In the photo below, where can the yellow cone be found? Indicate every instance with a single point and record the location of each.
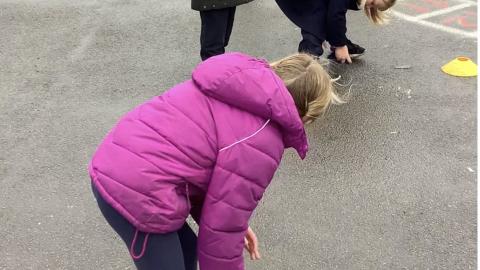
(461, 66)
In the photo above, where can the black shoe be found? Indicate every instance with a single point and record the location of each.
(354, 50)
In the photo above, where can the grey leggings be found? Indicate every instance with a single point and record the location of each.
(171, 251)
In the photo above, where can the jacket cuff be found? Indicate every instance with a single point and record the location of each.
(209, 262)
(340, 42)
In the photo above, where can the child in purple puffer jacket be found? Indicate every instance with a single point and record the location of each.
(209, 148)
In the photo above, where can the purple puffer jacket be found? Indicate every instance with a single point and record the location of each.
(214, 141)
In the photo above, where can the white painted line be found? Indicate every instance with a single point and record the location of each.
(436, 26)
(443, 11)
(468, 1)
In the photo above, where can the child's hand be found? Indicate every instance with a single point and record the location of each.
(251, 244)
(341, 53)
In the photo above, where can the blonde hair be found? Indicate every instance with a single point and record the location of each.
(309, 84)
(378, 16)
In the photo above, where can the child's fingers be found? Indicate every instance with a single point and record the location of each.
(252, 254)
(250, 251)
(251, 242)
(349, 60)
(255, 251)
(249, 246)
(257, 255)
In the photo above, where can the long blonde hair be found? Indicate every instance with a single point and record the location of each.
(377, 16)
(309, 84)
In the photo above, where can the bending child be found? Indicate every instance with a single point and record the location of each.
(325, 20)
(208, 147)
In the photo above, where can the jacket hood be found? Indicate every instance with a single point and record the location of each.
(251, 85)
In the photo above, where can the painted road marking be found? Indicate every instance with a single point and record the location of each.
(443, 11)
(452, 16)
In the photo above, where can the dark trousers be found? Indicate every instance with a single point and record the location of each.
(310, 44)
(171, 251)
(217, 26)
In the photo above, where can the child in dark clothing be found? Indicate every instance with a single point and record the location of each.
(325, 20)
(217, 22)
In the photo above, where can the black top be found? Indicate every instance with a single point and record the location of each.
(325, 19)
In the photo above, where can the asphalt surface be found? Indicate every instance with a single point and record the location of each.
(389, 182)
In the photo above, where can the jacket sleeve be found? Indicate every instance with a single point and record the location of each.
(238, 182)
(337, 22)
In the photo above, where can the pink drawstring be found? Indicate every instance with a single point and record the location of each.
(132, 246)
